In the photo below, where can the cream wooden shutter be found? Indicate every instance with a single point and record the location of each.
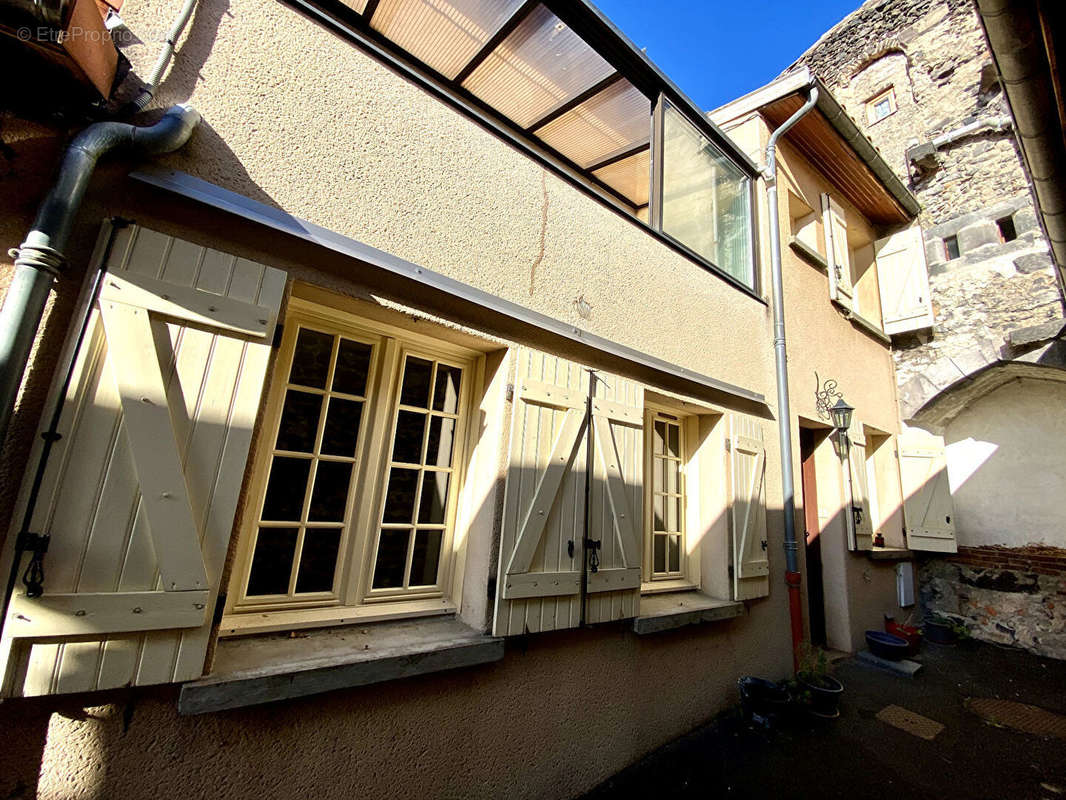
(140, 492)
(837, 253)
(904, 281)
(747, 508)
(860, 490)
(539, 583)
(928, 510)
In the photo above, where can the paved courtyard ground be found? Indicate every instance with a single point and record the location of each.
(858, 756)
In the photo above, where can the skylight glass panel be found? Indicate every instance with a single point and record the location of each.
(615, 119)
(444, 34)
(541, 64)
(630, 177)
(357, 5)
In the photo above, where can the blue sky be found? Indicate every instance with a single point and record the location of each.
(717, 50)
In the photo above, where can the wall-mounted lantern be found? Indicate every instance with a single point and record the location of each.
(840, 413)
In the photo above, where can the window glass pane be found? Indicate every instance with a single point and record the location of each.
(675, 553)
(446, 389)
(673, 448)
(673, 513)
(659, 513)
(342, 427)
(353, 365)
(400, 497)
(630, 177)
(672, 469)
(416, 377)
(658, 554)
(318, 560)
(425, 557)
(431, 507)
(310, 361)
(272, 561)
(445, 34)
(299, 421)
(330, 495)
(286, 489)
(706, 199)
(659, 443)
(439, 447)
(410, 427)
(612, 120)
(541, 64)
(392, 559)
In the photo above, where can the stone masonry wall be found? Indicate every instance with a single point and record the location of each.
(1014, 596)
(990, 269)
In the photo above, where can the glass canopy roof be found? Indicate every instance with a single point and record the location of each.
(523, 61)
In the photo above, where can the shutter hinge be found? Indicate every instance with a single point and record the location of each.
(510, 392)
(37, 545)
(593, 547)
(278, 329)
(51, 436)
(728, 445)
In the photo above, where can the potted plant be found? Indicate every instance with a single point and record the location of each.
(938, 629)
(819, 691)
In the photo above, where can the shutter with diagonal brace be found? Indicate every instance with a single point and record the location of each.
(862, 524)
(928, 509)
(837, 252)
(903, 279)
(540, 576)
(747, 508)
(140, 491)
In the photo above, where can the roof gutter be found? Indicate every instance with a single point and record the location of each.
(1020, 36)
(784, 413)
(869, 154)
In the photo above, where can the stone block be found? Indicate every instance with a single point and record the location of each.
(1025, 220)
(1034, 262)
(934, 251)
(977, 235)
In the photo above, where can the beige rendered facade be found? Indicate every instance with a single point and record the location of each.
(317, 132)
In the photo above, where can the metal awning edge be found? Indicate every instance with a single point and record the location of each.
(201, 191)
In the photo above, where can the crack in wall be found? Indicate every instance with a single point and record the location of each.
(543, 231)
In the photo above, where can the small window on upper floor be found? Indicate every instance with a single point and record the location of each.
(806, 224)
(880, 106)
(1007, 231)
(951, 247)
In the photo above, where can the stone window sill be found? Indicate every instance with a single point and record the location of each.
(889, 554)
(664, 612)
(264, 669)
(808, 253)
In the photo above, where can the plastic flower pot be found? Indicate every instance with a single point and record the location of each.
(823, 692)
(912, 635)
(939, 631)
(886, 645)
(761, 700)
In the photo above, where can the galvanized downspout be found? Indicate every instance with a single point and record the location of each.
(40, 259)
(784, 413)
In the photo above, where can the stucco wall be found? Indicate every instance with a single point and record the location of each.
(1016, 431)
(345, 143)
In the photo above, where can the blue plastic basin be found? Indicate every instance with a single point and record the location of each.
(886, 645)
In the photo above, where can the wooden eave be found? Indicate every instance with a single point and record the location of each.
(820, 143)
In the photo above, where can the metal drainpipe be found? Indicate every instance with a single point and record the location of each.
(40, 259)
(784, 414)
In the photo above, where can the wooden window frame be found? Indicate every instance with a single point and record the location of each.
(872, 104)
(688, 577)
(354, 600)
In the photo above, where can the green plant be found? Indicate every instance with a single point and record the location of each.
(814, 665)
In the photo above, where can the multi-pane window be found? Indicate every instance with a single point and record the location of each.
(881, 106)
(356, 491)
(305, 508)
(666, 536)
(421, 471)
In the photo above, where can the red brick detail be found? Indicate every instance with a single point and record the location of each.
(1038, 559)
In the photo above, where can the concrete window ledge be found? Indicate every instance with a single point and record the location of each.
(808, 253)
(889, 554)
(666, 612)
(265, 669)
